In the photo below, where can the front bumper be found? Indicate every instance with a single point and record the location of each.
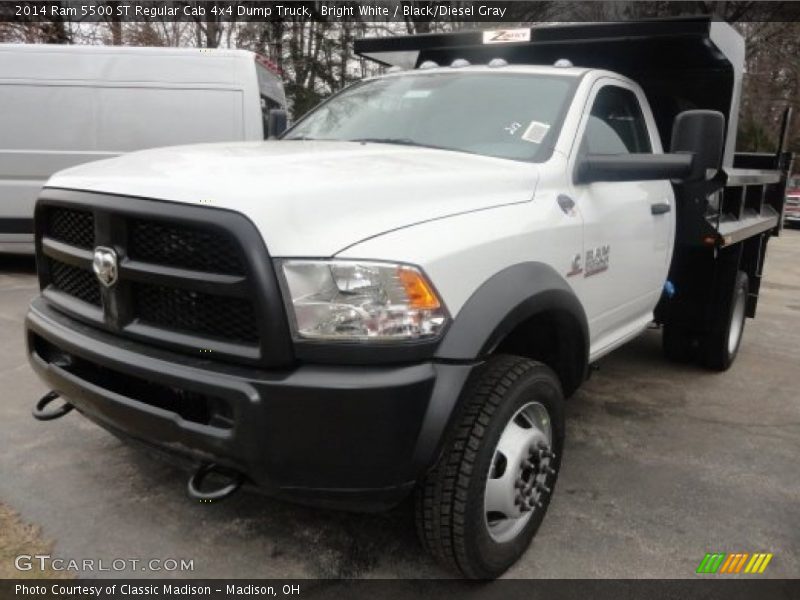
(343, 436)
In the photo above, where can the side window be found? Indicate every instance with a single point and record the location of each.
(616, 124)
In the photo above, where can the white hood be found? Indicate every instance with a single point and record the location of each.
(313, 198)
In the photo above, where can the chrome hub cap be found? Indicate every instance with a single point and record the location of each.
(522, 467)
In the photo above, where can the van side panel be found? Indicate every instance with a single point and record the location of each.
(66, 105)
(50, 127)
(133, 118)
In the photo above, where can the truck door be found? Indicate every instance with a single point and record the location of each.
(627, 225)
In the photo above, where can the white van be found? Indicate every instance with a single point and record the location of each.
(65, 105)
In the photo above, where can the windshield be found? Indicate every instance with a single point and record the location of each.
(515, 116)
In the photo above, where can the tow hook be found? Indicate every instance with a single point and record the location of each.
(40, 414)
(235, 481)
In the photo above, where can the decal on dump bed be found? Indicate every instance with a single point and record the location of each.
(505, 36)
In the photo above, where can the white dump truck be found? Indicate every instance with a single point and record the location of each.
(396, 298)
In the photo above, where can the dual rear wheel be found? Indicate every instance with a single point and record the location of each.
(718, 346)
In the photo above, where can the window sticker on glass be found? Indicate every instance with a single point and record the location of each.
(417, 94)
(535, 132)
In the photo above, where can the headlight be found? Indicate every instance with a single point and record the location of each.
(360, 300)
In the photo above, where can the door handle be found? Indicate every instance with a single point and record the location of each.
(660, 208)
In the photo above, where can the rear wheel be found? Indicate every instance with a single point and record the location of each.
(479, 508)
(720, 346)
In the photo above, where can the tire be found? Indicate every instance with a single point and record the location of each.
(719, 347)
(676, 343)
(451, 503)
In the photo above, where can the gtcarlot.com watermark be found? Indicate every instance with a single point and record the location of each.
(43, 562)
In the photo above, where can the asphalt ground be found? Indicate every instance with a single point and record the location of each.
(663, 463)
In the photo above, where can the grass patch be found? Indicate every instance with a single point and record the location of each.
(17, 537)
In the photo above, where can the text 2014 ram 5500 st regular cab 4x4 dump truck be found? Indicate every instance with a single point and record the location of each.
(398, 295)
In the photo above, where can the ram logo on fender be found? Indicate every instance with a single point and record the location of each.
(597, 260)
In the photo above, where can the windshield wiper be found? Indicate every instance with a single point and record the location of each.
(399, 142)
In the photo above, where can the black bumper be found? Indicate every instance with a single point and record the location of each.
(352, 437)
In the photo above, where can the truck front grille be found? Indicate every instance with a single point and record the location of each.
(184, 247)
(205, 314)
(190, 278)
(74, 281)
(74, 227)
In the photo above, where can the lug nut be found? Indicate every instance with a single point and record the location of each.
(542, 488)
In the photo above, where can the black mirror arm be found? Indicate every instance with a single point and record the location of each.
(634, 167)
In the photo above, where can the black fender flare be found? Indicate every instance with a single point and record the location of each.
(503, 302)
(495, 309)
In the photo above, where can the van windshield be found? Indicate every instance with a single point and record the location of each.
(510, 115)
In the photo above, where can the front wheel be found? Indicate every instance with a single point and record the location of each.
(479, 508)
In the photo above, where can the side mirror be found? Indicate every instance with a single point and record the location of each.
(277, 122)
(701, 133)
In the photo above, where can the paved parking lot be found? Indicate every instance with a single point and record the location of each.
(663, 463)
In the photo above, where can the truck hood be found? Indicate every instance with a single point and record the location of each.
(313, 198)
